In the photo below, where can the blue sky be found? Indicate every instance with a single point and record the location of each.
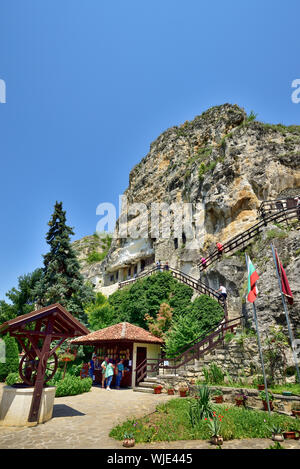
(90, 84)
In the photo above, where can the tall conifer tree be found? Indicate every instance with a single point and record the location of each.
(62, 281)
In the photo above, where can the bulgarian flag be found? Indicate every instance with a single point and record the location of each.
(252, 279)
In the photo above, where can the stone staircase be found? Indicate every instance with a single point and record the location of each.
(147, 385)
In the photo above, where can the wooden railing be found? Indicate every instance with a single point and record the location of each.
(197, 285)
(196, 349)
(269, 206)
(244, 238)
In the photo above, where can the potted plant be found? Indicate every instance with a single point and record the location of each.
(263, 397)
(183, 390)
(171, 391)
(277, 432)
(260, 383)
(158, 389)
(215, 427)
(240, 399)
(128, 440)
(296, 409)
(291, 435)
(218, 396)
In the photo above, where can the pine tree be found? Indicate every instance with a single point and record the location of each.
(62, 281)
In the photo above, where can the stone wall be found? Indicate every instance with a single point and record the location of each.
(237, 361)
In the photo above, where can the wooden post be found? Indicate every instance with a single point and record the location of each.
(39, 382)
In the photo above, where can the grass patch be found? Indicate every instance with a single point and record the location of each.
(95, 257)
(171, 422)
(274, 233)
(294, 388)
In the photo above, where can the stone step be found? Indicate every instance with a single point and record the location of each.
(150, 379)
(141, 389)
(146, 384)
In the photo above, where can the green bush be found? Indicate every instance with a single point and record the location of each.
(95, 257)
(145, 297)
(13, 378)
(200, 317)
(11, 364)
(213, 374)
(71, 385)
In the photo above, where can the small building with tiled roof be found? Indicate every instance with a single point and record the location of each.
(124, 340)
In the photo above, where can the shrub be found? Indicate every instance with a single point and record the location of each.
(71, 385)
(200, 317)
(13, 378)
(95, 257)
(11, 364)
(213, 374)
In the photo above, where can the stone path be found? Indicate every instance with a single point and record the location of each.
(84, 421)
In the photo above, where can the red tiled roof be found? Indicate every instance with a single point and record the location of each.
(122, 331)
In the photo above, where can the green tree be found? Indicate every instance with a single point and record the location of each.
(61, 280)
(145, 297)
(7, 312)
(159, 325)
(22, 298)
(200, 317)
(11, 364)
(100, 313)
(184, 330)
(209, 312)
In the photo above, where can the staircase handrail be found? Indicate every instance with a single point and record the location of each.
(254, 230)
(196, 284)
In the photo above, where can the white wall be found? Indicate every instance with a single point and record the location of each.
(153, 351)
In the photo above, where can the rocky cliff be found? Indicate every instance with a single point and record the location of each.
(224, 164)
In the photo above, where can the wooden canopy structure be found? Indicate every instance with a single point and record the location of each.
(39, 362)
(123, 340)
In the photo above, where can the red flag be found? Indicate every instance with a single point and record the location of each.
(284, 281)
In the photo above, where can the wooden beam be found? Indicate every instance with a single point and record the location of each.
(39, 383)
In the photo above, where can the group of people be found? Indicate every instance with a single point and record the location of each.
(109, 369)
(220, 249)
(159, 266)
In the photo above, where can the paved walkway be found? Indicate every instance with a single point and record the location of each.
(84, 421)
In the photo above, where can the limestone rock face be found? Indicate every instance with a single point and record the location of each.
(84, 247)
(224, 164)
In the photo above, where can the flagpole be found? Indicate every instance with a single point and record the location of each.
(259, 348)
(291, 335)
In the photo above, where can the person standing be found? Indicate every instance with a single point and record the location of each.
(109, 373)
(220, 248)
(92, 367)
(223, 292)
(120, 374)
(158, 265)
(103, 366)
(166, 267)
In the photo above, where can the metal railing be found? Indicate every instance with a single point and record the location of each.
(244, 238)
(196, 349)
(181, 277)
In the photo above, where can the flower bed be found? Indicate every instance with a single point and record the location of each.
(171, 422)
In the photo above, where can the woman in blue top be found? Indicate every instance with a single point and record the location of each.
(109, 373)
(120, 373)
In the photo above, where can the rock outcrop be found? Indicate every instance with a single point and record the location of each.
(224, 164)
